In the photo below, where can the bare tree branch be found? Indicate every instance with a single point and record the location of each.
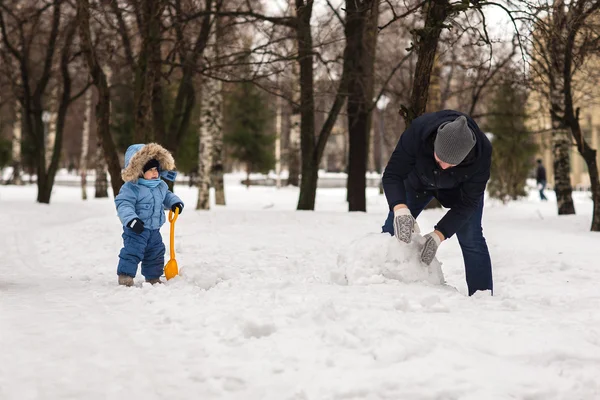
(339, 17)
(290, 22)
(514, 22)
(397, 17)
(5, 36)
(50, 48)
(389, 77)
(122, 28)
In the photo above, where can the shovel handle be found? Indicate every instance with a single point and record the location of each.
(172, 219)
(173, 215)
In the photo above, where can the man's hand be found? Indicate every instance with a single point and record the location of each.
(432, 242)
(404, 224)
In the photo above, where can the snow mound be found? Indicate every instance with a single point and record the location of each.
(377, 258)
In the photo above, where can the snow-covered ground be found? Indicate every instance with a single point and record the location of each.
(262, 309)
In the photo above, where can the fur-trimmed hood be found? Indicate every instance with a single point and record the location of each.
(137, 155)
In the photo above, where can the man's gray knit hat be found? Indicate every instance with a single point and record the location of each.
(454, 141)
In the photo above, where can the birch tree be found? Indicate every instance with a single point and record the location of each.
(16, 147)
(85, 141)
(210, 121)
(217, 169)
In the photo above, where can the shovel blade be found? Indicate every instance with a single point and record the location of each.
(171, 269)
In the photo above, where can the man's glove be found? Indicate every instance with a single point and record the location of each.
(432, 242)
(176, 206)
(136, 225)
(404, 225)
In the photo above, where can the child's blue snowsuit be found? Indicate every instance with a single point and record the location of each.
(148, 204)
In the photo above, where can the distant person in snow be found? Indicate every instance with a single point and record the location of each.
(540, 178)
(140, 207)
(444, 155)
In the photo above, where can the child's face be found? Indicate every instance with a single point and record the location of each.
(151, 174)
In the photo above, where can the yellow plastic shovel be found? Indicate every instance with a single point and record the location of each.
(171, 269)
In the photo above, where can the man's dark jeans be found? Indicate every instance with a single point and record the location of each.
(542, 186)
(478, 265)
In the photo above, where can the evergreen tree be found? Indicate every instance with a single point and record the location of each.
(247, 138)
(513, 147)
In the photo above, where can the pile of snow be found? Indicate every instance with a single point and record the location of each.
(378, 258)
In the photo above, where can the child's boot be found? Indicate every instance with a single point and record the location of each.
(154, 281)
(125, 280)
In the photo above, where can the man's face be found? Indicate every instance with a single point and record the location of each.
(443, 165)
(152, 173)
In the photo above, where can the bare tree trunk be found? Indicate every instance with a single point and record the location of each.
(361, 38)
(217, 168)
(51, 125)
(147, 74)
(378, 140)
(560, 131)
(435, 93)
(308, 182)
(85, 141)
(589, 155)
(208, 124)
(312, 146)
(427, 39)
(294, 117)
(595, 179)
(16, 147)
(101, 183)
(561, 147)
(433, 104)
(293, 145)
(378, 143)
(103, 106)
(294, 150)
(278, 129)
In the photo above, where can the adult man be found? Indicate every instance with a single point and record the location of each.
(444, 155)
(540, 178)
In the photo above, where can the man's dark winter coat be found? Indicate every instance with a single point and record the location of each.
(540, 175)
(459, 188)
